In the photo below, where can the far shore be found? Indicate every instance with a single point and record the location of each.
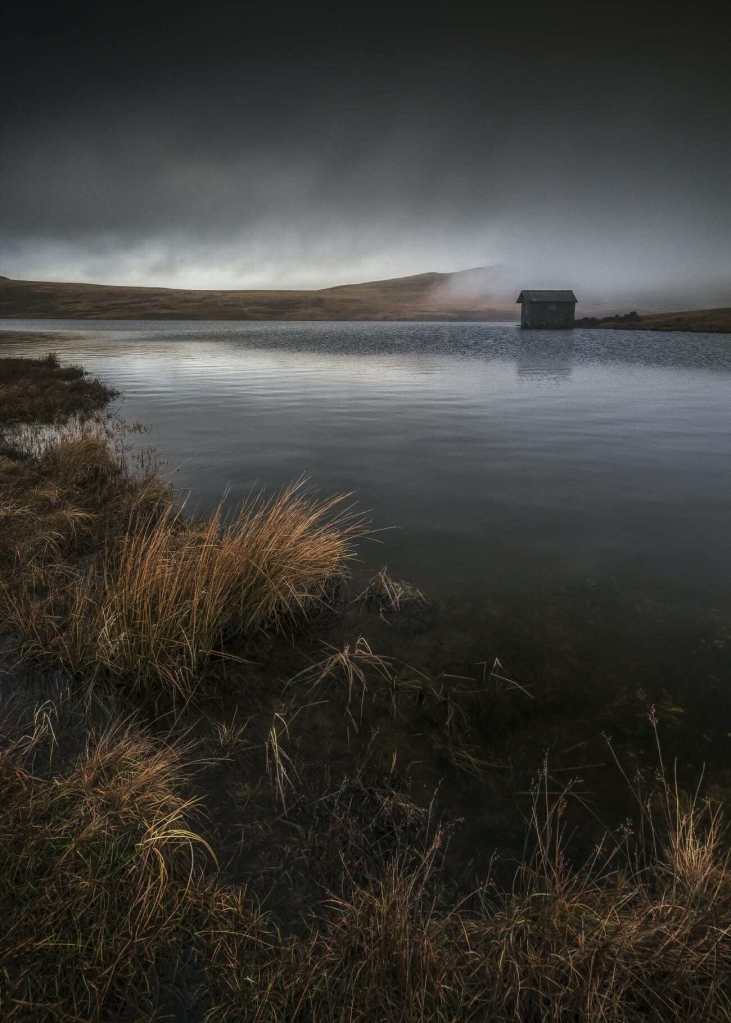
(703, 321)
(428, 297)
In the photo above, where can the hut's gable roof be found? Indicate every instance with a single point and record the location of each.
(546, 296)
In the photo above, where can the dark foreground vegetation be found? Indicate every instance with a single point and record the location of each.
(221, 802)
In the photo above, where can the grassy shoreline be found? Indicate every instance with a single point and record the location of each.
(698, 321)
(224, 802)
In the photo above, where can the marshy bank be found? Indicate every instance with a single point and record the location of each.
(241, 782)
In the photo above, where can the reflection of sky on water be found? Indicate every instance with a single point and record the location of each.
(552, 361)
(509, 460)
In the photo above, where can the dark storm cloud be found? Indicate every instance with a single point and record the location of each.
(229, 148)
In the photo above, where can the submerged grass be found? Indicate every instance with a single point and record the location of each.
(388, 595)
(349, 668)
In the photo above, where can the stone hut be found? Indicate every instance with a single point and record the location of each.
(547, 310)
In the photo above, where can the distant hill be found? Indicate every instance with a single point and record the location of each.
(428, 296)
(481, 293)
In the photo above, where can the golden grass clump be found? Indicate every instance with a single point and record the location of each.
(98, 570)
(173, 591)
(98, 866)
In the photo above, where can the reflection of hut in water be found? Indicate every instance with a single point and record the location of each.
(547, 310)
(544, 360)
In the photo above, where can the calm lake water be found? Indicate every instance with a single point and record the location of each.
(509, 463)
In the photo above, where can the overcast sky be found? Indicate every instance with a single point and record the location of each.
(582, 146)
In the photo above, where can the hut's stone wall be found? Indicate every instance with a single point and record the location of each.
(547, 315)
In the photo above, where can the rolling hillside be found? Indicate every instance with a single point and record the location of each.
(429, 296)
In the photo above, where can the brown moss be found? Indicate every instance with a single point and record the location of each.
(41, 390)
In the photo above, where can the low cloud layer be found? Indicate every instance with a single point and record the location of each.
(306, 165)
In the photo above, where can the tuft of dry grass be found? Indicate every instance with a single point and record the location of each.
(231, 735)
(279, 765)
(173, 592)
(349, 667)
(100, 572)
(388, 595)
(98, 865)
